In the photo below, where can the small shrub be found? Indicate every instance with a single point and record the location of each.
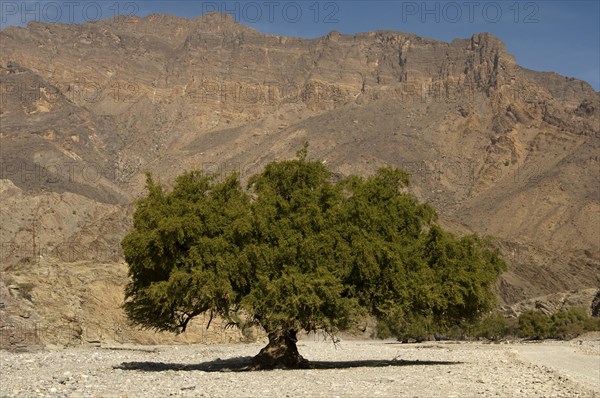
(534, 324)
(25, 290)
(414, 328)
(592, 324)
(572, 322)
(383, 330)
(493, 327)
(567, 324)
(418, 329)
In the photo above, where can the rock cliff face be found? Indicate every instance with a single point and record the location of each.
(588, 299)
(86, 109)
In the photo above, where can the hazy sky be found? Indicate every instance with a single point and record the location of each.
(560, 36)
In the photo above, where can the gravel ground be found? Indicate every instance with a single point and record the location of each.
(348, 369)
(579, 361)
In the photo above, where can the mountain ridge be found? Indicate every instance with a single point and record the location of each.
(497, 149)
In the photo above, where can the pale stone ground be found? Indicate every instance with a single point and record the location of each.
(350, 369)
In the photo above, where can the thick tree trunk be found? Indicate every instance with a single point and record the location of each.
(281, 352)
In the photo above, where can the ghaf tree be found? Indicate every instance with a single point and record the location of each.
(300, 251)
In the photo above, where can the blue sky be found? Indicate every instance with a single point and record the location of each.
(560, 36)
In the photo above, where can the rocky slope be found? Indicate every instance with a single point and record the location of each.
(86, 109)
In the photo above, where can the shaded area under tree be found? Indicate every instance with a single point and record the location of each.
(245, 364)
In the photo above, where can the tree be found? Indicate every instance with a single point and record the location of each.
(299, 250)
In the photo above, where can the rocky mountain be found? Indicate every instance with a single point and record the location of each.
(86, 109)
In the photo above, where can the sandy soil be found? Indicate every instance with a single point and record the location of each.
(348, 369)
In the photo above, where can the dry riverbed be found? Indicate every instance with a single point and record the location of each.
(348, 369)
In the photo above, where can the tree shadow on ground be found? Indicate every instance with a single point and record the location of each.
(244, 364)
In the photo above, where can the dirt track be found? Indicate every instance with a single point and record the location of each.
(579, 363)
(351, 369)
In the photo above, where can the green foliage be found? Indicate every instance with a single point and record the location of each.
(534, 324)
(568, 323)
(592, 324)
(184, 252)
(572, 322)
(418, 328)
(564, 324)
(493, 327)
(298, 250)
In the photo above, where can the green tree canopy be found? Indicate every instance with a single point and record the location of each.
(300, 249)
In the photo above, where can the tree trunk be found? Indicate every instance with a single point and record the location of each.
(281, 352)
